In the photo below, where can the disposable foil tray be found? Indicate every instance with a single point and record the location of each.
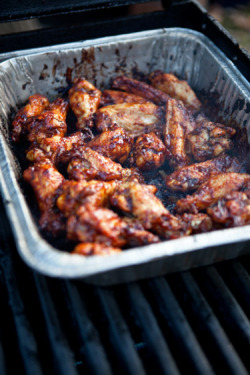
(189, 55)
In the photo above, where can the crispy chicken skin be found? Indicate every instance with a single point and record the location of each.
(233, 210)
(114, 143)
(209, 139)
(92, 248)
(110, 97)
(141, 89)
(45, 179)
(192, 176)
(36, 104)
(136, 119)
(84, 99)
(178, 125)
(52, 148)
(149, 152)
(50, 122)
(175, 88)
(214, 189)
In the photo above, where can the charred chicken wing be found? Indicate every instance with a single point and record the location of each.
(149, 152)
(211, 191)
(175, 88)
(191, 177)
(50, 122)
(233, 210)
(84, 99)
(209, 139)
(114, 143)
(110, 97)
(36, 104)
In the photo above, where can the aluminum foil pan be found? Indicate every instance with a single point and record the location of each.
(188, 54)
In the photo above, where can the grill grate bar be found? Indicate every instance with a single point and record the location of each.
(62, 355)
(207, 327)
(152, 335)
(227, 309)
(119, 335)
(88, 340)
(175, 320)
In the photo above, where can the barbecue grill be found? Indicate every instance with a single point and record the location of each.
(193, 322)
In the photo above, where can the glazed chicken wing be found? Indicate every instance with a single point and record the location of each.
(192, 176)
(209, 139)
(211, 191)
(114, 143)
(142, 89)
(140, 201)
(87, 164)
(84, 99)
(52, 148)
(73, 194)
(50, 122)
(200, 223)
(110, 97)
(178, 125)
(36, 104)
(233, 210)
(175, 88)
(135, 119)
(149, 152)
(45, 180)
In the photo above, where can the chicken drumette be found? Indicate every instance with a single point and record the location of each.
(84, 99)
(36, 104)
(209, 139)
(149, 152)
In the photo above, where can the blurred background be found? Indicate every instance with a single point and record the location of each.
(234, 15)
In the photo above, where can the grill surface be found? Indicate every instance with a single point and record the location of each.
(194, 322)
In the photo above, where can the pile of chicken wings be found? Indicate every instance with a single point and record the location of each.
(88, 179)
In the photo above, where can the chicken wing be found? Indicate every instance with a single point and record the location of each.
(45, 180)
(149, 152)
(84, 99)
(175, 88)
(200, 223)
(135, 119)
(36, 104)
(178, 125)
(209, 139)
(211, 191)
(73, 194)
(50, 122)
(192, 176)
(233, 210)
(140, 201)
(142, 89)
(52, 148)
(87, 164)
(114, 143)
(110, 97)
